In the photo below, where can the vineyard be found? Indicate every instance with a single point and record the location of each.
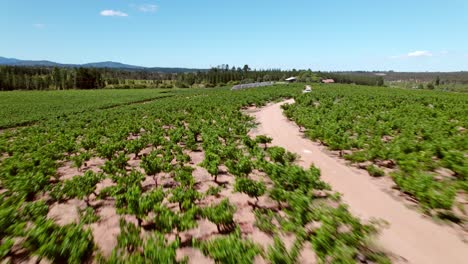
(418, 138)
(23, 107)
(178, 179)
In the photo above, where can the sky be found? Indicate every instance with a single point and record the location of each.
(331, 35)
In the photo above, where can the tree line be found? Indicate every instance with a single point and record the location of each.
(38, 78)
(47, 78)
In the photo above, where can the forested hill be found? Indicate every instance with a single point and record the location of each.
(106, 64)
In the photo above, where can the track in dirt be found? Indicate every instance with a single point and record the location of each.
(410, 235)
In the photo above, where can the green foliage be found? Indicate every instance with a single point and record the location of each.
(241, 167)
(135, 146)
(134, 178)
(153, 164)
(211, 163)
(137, 203)
(185, 197)
(88, 216)
(250, 187)
(264, 221)
(430, 193)
(158, 250)
(280, 155)
(277, 253)
(214, 191)
(165, 220)
(369, 123)
(340, 235)
(208, 119)
(277, 154)
(278, 194)
(129, 237)
(22, 107)
(131, 248)
(10, 215)
(78, 187)
(222, 214)
(5, 247)
(375, 171)
(26, 183)
(107, 150)
(35, 210)
(231, 249)
(262, 139)
(80, 159)
(115, 164)
(184, 176)
(66, 244)
(293, 177)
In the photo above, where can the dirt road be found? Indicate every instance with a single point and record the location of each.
(410, 235)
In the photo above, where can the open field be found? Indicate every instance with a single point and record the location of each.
(183, 178)
(22, 107)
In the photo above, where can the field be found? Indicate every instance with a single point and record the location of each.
(168, 180)
(23, 107)
(416, 137)
(181, 177)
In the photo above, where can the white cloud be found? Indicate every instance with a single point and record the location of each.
(419, 53)
(149, 8)
(39, 25)
(113, 13)
(416, 54)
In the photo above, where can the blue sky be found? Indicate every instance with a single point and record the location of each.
(403, 35)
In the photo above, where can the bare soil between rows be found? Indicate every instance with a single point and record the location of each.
(106, 230)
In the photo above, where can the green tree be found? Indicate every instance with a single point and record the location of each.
(246, 69)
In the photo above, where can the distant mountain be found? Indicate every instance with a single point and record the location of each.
(111, 64)
(16, 62)
(106, 64)
(6, 61)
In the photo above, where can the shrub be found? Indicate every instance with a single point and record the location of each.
(375, 171)
(231, 249)
(250, 187)
(222, 215)
(60, 244)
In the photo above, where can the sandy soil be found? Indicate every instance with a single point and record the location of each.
(67, 212)
(410, 235)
